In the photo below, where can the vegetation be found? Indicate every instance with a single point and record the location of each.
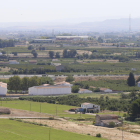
(131, 80)
(6, 43)
(69, 79)
(111, 124)
(75, 89)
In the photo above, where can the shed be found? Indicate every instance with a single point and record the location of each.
(13, 62)
(3, 89)
(32, 61)
(105, 90)
(138, 84)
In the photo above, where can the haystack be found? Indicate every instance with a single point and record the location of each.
(5, 111)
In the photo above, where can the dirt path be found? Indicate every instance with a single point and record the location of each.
(108, 133)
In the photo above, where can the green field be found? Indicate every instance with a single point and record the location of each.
(13, 130)
(45, 108)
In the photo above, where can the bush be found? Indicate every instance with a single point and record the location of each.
(98, 135)
(137, 119)
(111, 125)
(96, 90)
(69, 79)
(51, 118)
(75, 89)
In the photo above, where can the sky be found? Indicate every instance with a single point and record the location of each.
(57, 10)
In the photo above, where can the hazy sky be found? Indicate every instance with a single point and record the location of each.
(47, 10)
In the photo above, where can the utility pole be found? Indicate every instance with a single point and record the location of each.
(30, 106)
(56, 110)
(122, 128)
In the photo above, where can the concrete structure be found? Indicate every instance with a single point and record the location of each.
(3, 89)
(85, 38)
(42, 41)
(84, 91)
(138, 84)
(59, 68)
(13, 62)
(90, 106)
(64, 84)
(105, 90)
(49, 90)
(104, 120)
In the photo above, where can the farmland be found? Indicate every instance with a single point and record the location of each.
(11, 130)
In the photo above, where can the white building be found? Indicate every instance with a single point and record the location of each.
(85, 38)
(84, 91)
(3, 89)
(49, 90)
(138, 84)
(13, 62)
(0, 53)
(90, 106)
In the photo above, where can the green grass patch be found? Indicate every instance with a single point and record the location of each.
(13, 130)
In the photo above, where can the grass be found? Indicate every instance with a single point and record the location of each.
(13, 130)
(45, 108)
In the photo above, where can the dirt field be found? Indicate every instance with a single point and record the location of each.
(109, 133)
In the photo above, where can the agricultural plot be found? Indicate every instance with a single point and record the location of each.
(54, 109)
(13, 130)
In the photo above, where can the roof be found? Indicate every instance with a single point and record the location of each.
(55, 86)
(42, 39)
(71, 36)
(4, 85)
(33, 61)
(81, 89)
(139, 82)
(108, 121)
(108, 117)
(63, 82)
(12, 60)
(86, 103)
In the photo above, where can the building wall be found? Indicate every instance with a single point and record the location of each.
(85, 91)
(97, 120)
(3, 91)
(108, 90)
(138, 84)
(49, 91)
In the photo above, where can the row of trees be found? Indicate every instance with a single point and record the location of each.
(6, 43)
(16, 83)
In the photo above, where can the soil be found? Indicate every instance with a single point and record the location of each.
(108, 133)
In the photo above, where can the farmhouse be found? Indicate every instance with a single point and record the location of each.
(105, 90)
(59, 68)
(84, 91)
(104, 120)
(49, 90)
(3, 89)
(90, 106)
(13, 62)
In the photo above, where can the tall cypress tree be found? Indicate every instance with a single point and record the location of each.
(131, 79)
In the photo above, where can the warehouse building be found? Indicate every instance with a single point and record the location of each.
(3, 89)
(42, 41)
(84, 38)
(49, 90)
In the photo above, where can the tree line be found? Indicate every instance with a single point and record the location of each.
(7, 43)
(16, 83)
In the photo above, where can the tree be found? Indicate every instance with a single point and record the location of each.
(57, 55)
(3, 52)
(15, 53)
(100, 40)
(131, 80)
(69, 79)
(65, 53)
(75, 89)
(25, 83)
(30, 47)
(34, 81)
(34, 53)
(51, 54)
(135, 108)
(14, 83)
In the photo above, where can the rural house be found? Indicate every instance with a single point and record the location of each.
(138, 84)
(13, 62)
(90, 106)
(84, 91)
(105, 90)
(104, 120)
(32, 61)
(3, 89)
(64, 84)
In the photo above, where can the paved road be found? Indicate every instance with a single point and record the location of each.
(24, 117)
